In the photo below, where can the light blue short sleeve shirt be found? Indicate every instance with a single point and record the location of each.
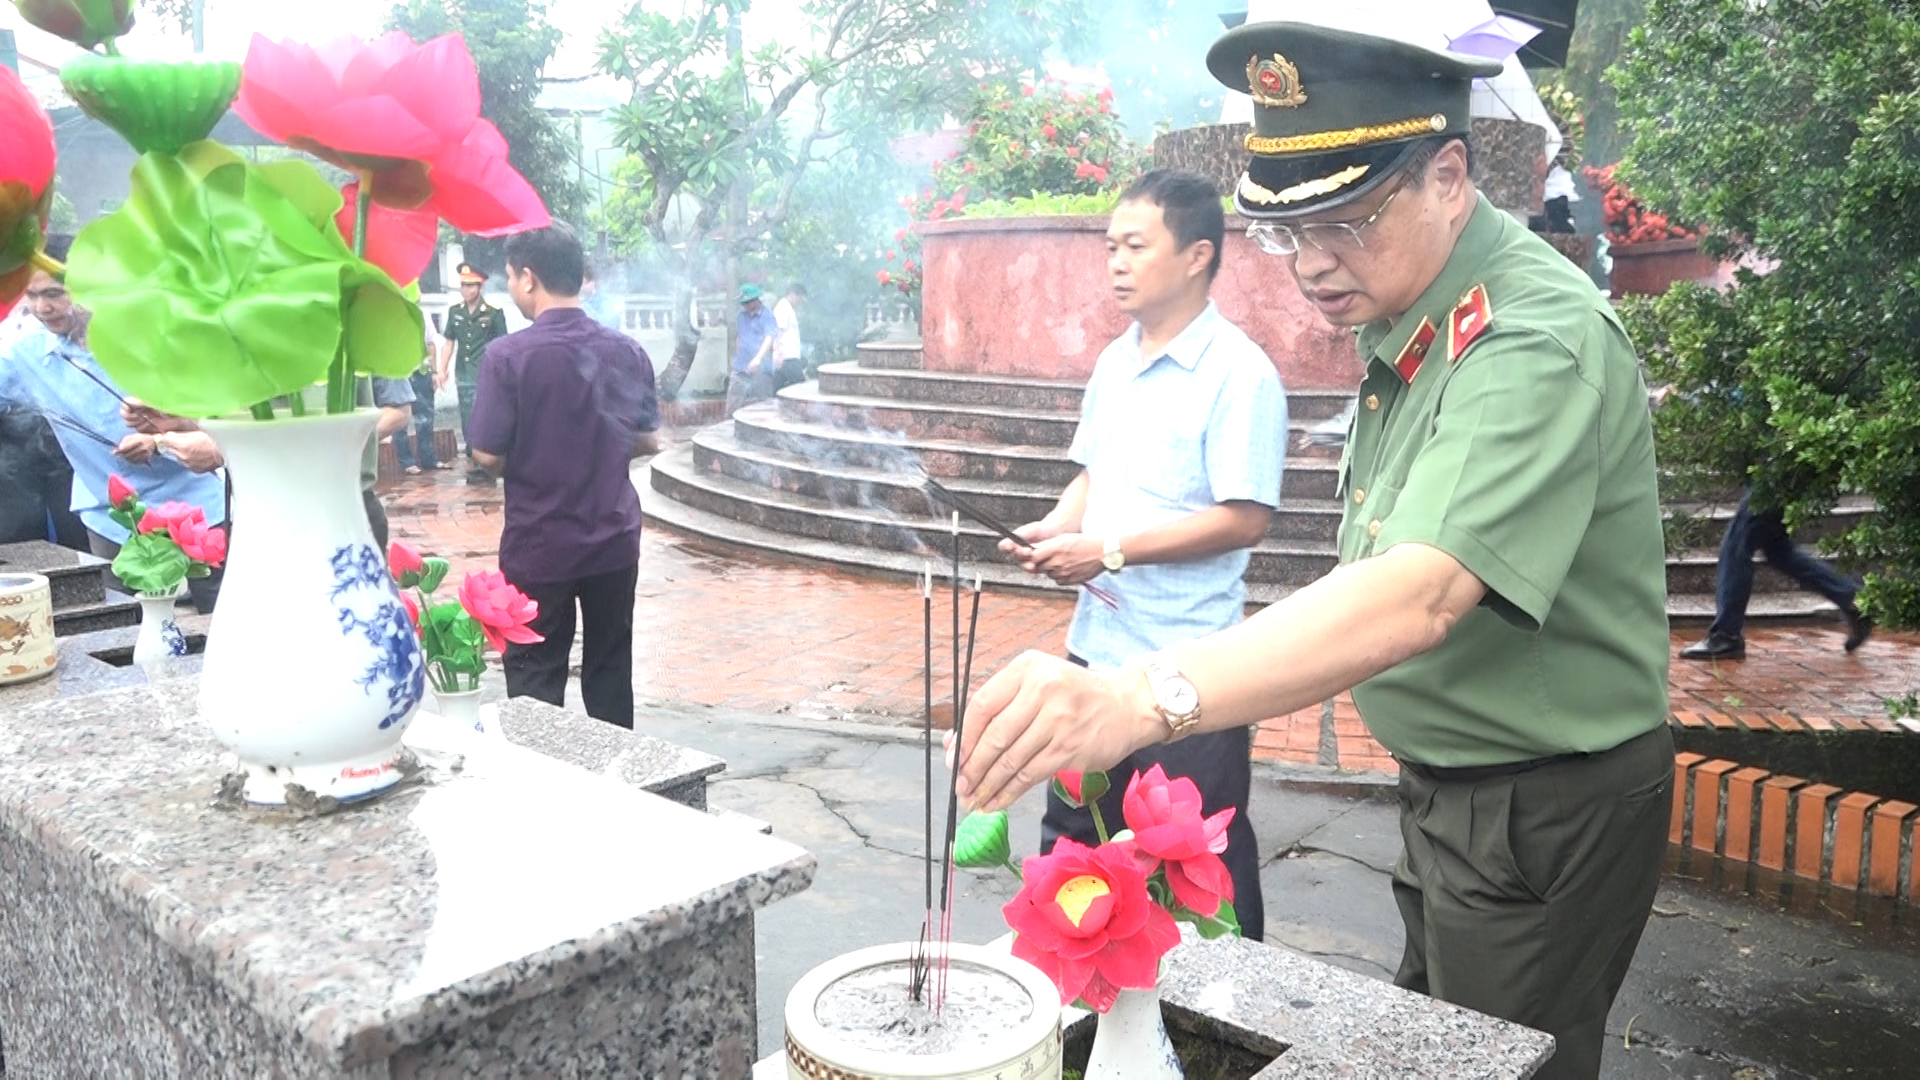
(69, 387)
(1202, 423)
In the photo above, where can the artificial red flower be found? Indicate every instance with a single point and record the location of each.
(413, 609)
(1167, 823)
(502, 611)
(1071, 782)
(1085, 918)
(163, 517)
(202, 542)
(403, 559)
(26, 184)
(406, 114)
(401, 242)
(120, 494)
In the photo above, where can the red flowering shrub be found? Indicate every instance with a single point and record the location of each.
(1628, 220)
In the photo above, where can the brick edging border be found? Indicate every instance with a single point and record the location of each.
(1851, 840)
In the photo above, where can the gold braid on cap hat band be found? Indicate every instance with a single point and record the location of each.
(1335, 140)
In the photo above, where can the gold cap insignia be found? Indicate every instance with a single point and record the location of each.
(1275, 82)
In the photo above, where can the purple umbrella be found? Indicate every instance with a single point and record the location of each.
(1495, 39)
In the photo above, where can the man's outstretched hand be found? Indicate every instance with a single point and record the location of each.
(1042, 714)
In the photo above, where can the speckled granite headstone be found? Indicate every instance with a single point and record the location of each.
(513, 915)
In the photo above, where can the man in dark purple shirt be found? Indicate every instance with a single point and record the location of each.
(562, 409)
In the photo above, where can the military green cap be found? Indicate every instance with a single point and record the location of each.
(1335, 112)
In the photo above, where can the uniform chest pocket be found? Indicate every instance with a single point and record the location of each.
(1171, 468)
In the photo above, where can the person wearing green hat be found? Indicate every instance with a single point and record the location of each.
(756, 331)
(471, 325)
(1499, 608)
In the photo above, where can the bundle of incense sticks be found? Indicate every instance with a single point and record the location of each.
(931, 962)
(941, 492)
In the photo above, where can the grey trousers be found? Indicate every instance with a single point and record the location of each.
(1524, 895)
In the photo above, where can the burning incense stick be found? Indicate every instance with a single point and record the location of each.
(979, 516)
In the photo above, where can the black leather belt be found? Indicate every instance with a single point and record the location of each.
(1469, 774)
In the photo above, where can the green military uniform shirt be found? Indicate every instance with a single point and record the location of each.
(1504, 421)
(471, 332)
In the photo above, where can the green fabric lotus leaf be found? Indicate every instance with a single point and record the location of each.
(980, 841)
(220, 284)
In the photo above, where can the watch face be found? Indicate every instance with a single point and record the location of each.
(1181, 697)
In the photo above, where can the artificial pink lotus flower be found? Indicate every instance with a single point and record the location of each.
(26, 183)
(164, 517)
(405, 115)
(1085, 918)
(502, 611)
(413, 609)
(202, 542)
(1166, 819)
(404, 559)
(119, 492)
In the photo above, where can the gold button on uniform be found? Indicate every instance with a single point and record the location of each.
(1373, 528)
(1373, 402)
(1359, 496)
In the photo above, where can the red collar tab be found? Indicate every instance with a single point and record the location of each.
(1408, 363)
(1471, 317)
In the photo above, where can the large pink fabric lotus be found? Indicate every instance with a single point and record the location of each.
(163, 517)
(1085, 918)
(202, 542)
(1166, 819)
(502, 611)
(26, 172)
(406, 114)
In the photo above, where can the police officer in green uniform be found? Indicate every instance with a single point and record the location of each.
(470, 326)
(1499, 610)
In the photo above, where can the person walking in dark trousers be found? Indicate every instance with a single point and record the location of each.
(1765, 531)
(562, 409)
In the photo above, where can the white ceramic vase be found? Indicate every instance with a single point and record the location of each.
(1028, 1048)
(462, 707)
(312, 667)
(26, 628)
(160, 639)
(1130, 1041)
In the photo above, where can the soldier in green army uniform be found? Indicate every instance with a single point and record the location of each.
(471, 326)
(1499, 610)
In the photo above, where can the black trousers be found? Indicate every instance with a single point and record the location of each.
(1524, 895)
(1220, 764)
(606, 661)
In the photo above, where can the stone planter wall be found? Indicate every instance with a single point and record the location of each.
(1650, 269)
(1029, 297)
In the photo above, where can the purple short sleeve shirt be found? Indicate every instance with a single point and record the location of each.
(563, 402)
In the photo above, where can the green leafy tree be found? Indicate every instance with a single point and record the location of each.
(511, 42)
(720, 138)
(1600, 32)
(1792, 130)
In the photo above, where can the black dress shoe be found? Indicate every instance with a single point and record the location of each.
(1717, 646)
(1859, 627)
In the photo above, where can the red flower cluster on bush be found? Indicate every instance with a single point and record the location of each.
(1628, 220)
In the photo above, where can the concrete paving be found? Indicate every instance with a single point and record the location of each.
(1737, 977)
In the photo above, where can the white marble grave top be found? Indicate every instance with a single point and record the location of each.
(505, 876)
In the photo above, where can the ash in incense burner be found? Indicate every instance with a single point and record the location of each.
(871, 1009)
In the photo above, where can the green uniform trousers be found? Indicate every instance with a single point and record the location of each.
(1524, 895)
(466, 391)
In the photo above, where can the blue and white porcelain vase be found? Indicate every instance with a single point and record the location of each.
(1131, 1043)
(312, 667)
(160, 640)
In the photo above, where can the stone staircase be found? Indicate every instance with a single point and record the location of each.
(82, 603)
(829, 472)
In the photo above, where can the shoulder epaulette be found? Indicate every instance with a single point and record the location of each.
(1471, 317)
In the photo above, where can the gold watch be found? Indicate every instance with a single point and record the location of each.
(1174, 696)
(1112, 557)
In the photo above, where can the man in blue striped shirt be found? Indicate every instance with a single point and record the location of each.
(1181, 444)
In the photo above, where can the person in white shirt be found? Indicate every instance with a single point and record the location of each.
(787, 368)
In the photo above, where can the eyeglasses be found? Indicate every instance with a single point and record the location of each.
(1334, 238)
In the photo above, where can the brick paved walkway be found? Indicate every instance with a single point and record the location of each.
(715, 629)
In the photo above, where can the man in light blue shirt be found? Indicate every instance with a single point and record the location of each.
(50, 369)
(1181, 444)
